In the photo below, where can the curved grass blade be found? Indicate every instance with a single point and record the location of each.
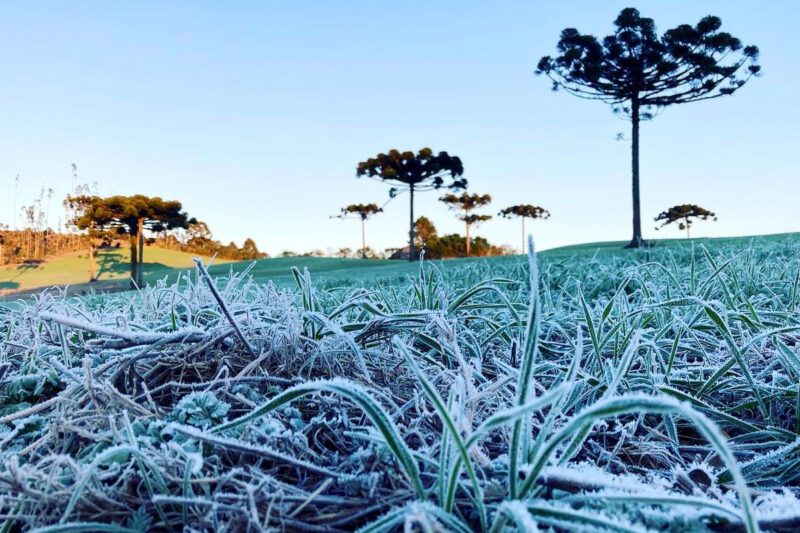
(653, 405)
(519, 444)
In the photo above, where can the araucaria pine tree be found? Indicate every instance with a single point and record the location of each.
(128, 215)
(683, 215)
(525, 211)
(465, 204)
(423, 171)
(362, 211)
(637, 72)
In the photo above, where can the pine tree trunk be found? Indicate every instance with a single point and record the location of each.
(468, 240)
(363, 239)
(140, 234)
(636, 241)
(411, 253)
(523, 235)
(687, 229)
(134, 260)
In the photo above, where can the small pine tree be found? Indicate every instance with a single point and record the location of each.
(363, 212)
(525, 211)
(466, 203)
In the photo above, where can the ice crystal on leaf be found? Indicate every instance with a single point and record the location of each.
(201, 409)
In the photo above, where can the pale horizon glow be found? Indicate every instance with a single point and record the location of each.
(255, 115)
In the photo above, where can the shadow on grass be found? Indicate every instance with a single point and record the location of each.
(22, 269)
(114, 266)
(111, 263)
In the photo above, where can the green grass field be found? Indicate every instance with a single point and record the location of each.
(333, 271)
(114, 269)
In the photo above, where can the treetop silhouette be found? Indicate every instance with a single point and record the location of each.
(466, 201)
(362, 211)
(683, 214)
(524, 211)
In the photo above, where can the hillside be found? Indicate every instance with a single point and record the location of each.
(113, 270)
(114, 267)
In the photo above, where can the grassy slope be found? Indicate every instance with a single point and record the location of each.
(612, 247)
(113, 267)
(333, 270)
(160, 263)
(278, 270)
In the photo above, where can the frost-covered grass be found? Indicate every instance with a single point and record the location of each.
(655, 390)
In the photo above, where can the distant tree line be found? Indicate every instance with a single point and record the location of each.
(33, 245)
(196, 238)
(37, 240)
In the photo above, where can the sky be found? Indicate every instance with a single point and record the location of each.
(255, 115)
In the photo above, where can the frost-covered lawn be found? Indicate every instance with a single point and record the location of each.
(655, 390)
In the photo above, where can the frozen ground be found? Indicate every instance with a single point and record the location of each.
(646, 391)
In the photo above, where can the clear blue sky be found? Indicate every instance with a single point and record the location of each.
(256, 114)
